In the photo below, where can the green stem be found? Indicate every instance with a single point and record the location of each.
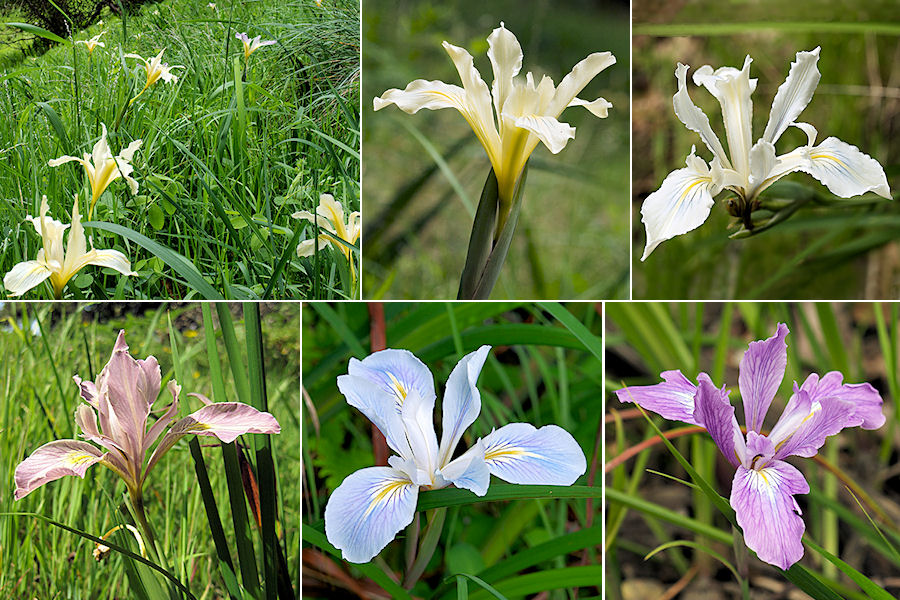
(427, 546)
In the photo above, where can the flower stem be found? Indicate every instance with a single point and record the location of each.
(427, 546)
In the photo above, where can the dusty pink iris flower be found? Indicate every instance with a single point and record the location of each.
(122, 397)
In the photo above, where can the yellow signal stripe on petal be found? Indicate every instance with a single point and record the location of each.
(387, 492)
(76, 458)
(503, 453)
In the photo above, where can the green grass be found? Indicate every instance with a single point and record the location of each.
(545, 368)
(423, 173)
(836, 252)
(850, 542)
(229, 152)
(43, 561)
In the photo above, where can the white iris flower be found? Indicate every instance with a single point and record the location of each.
(685, 198)
(396, 392)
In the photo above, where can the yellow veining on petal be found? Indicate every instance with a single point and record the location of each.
(388, 491)
(507, 452)
(76, 458)
(399, 389)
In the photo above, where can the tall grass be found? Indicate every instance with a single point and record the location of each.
(229, 152)
(42, 347)
(545, 368)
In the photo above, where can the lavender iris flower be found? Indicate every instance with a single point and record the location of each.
(764, 485)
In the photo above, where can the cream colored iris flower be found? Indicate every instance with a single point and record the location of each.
(93, 42)
(523, 112)
(330, 217)
(252, 45)
(156, 69)
(103, 168)
(683, 201)
(57, 264)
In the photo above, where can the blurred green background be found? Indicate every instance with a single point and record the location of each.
(572, 234)
(819, 253)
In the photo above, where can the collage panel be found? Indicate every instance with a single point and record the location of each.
(765, 150)
(452, 450)
(507, 194)
(149, 450)
(751, 451)
(179, 149)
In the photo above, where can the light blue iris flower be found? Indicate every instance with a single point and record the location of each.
(395, 390)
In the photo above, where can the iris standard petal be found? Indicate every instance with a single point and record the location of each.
(379, 406)
(845, 170)
(367, 510)
(695, 119)
(25, 276)
(761, 371)
(673, 399)
(864, 400)
(462, 401)
(767, 512)
(505, 55)
(581, 75)
(469, 470)
(477, 108)
(820, 421)
(131, 388)
(681, 204)
(52, 461)
(732, 88)
(715, 413)
(519, 453)
(794, 94)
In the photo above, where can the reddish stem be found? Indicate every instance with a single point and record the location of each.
(378, 341)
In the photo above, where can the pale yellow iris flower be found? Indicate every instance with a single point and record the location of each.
(252, 45)
(93, 42)
(330, 217)
(103, 168)
(155, 69)
(523, 113)
(57, 264)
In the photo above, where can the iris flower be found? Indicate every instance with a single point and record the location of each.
(764, 485)
(685, 198)
(103, 168)
(123, 396)
(93, 42)
(252, 45)
(523, 113)
(396, 392)
(330, 217)
(155, 69)
(60, 264)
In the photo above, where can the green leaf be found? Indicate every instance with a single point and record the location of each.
(175, 261)
(453, 496)
(157, 218)
(481, 238)
(39, 31)
(57, 124)
(584, 335)
(867, 585)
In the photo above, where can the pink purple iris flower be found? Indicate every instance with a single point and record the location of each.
(764, 485)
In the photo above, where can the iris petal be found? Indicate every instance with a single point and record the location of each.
(462, 401)
(519, 453)
(367, 510)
